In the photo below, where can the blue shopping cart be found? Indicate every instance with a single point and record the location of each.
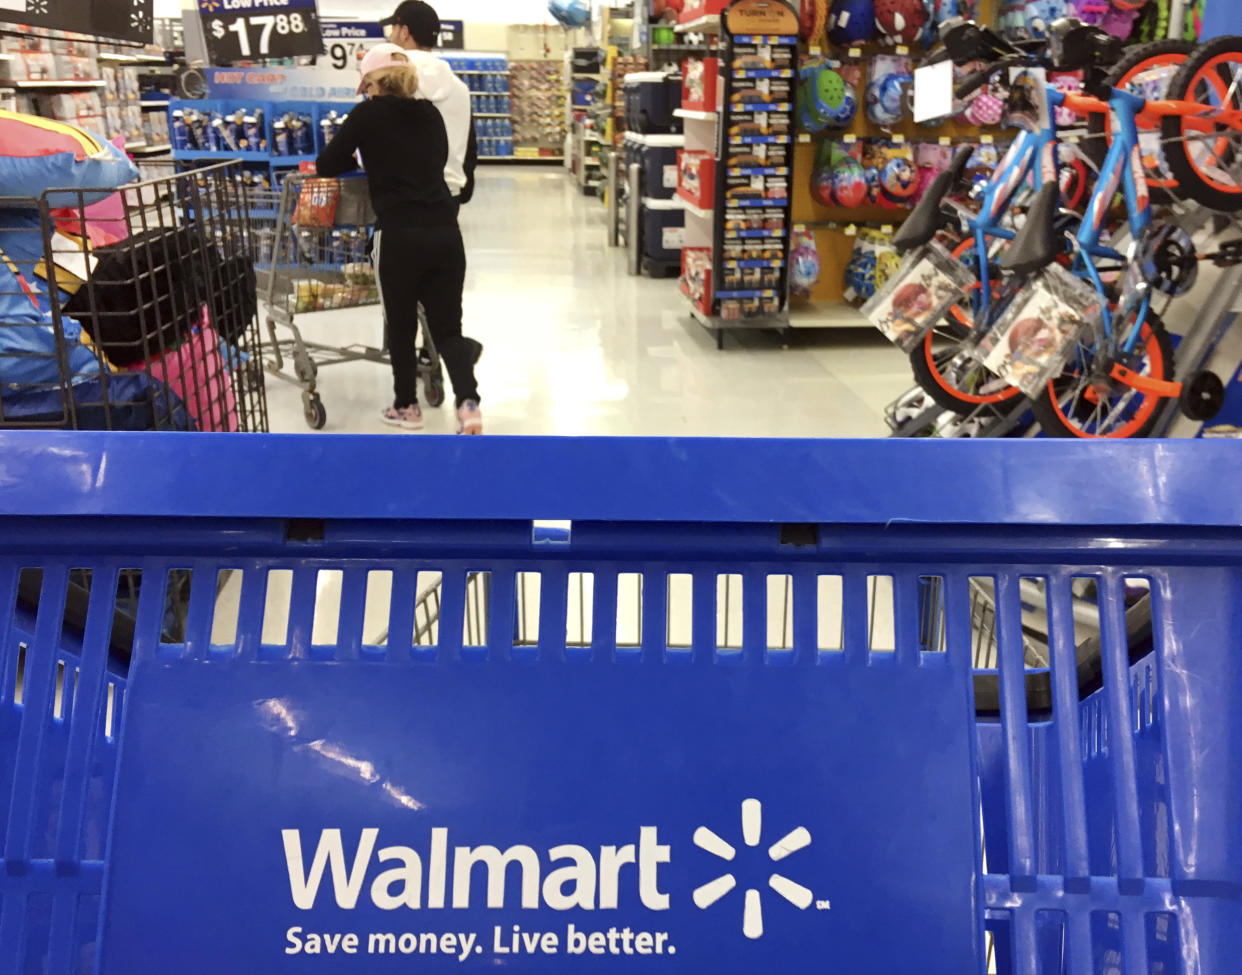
(746, 706)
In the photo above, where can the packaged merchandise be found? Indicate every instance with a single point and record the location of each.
(1039, 331)
(918, 295)
(886, 93)
(804, 264)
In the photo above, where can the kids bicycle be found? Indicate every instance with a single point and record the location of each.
(1114, 381)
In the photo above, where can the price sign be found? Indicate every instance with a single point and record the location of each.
(347, 41)
(243, 30)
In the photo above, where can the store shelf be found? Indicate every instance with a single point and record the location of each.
(715, 323)
(694, 208)
(827, 314)
(492, 115)
(654, 139)
(53, 85)
(152, 103)
(700, 25)
(145, 150)
(483, 72)
(690, 113)
(676, 203)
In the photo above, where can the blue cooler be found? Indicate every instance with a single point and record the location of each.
(659, 217)
(651, 97)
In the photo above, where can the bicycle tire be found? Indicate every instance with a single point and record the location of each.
(1192, 181)
(1054, 422)
(1099, 124)
(929, 373)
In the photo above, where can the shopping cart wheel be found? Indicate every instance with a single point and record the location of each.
(305, 368)
(316, 415)
(433, 389)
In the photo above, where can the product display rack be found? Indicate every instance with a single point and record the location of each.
(84, 80)
(487, 76)
(748, 226)
(538, 96)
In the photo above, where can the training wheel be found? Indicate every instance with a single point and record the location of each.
(1203, 395)
(434, 392)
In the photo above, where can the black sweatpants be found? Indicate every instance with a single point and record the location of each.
(427, 266)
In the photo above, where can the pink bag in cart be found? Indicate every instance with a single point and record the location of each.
(195, 372)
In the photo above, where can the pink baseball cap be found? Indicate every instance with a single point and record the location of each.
(381, 56)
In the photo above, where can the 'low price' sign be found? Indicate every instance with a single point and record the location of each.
(242, 30)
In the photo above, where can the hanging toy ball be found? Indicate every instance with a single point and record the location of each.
(886, 99)
(987, 107)
(822, 186)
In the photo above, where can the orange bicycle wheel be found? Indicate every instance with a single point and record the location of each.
(1204, 152)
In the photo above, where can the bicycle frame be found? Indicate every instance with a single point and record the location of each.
(1033, 154)
(1123, 168)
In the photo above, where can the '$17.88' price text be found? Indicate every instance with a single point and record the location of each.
(265, 24)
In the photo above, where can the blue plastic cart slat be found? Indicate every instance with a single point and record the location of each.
(1108, 824)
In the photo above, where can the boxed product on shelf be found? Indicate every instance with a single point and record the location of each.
(699, 84)
(694, 9)
(155, 129)
(19, 38)
(30, 66)
(696, 277)
(82, 108)
(651, 97)
(761, 57)
(696, 179)
(756, 156)
(71, 68)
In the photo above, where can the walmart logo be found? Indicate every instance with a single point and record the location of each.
(209, 6)
(752, 830)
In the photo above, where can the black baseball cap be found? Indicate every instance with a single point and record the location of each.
(421, 19)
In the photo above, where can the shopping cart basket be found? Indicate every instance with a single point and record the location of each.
(725, 718)
(315, 256)
(136, 313)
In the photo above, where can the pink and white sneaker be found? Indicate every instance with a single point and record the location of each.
(407, 418)
(469, 418)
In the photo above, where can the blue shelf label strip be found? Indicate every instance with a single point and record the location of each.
(752, 264)
(755, 140)
(764, 73)
(743, 107)
(765, 202)
(746, 294)
(734, 234)
(760, 171)
(764, 39)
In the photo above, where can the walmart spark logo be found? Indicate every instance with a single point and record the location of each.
(752, 829)
(209, 6)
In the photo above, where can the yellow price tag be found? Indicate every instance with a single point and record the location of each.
(902, 49)
(987, 140)
(803, 137)
(816, 50)
(945, 140)
(851, 231)
(899, 139)
(855, 52)
(799, 227)
(886, 229)
(850, 139)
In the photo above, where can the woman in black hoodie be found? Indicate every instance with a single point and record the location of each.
(418, 251)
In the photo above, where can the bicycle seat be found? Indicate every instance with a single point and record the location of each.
(926, 218)
(1038, 243)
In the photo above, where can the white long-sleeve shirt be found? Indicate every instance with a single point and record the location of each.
(438, 84)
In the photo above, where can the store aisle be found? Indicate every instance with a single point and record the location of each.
(575, 346)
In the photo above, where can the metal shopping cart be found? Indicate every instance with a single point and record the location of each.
(780, 706)
(314, 255)
(137, 312)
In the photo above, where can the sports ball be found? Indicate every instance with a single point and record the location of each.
(899, 180)
(831, 99)
(885, 100)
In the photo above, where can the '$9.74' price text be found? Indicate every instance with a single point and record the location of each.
(265, 24)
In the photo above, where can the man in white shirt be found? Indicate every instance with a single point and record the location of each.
(415, 26)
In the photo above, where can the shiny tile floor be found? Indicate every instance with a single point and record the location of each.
(575, 346)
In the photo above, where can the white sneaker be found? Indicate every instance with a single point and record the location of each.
(407, 418)
(469, 418)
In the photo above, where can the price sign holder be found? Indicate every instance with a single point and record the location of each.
(345, 41)
(246, 30)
